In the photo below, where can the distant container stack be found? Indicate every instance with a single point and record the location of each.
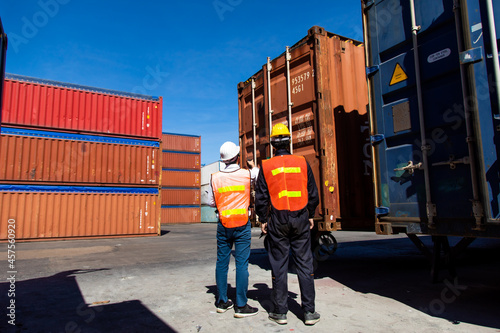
(208, 213)
(78, 161)
(180, 179)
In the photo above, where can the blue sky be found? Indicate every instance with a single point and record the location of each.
(193, 53)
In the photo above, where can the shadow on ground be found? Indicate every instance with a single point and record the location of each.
(55, 304)
(261, 293)
(396, 269)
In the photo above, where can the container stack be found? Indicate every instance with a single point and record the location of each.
(180, 180)
(208, 213)
(78, 162)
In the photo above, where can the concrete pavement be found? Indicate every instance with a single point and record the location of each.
(167, 284)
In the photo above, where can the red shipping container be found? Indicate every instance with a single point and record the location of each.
(31, 102)
(181, 160)
(180, 178)
(48, 212)
(180, 196)
(181, 142)
(173, 215)
(50, 157)
(317, 88)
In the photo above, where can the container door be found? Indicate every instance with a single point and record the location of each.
(397, 124)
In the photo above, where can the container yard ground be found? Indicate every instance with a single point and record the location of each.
(166, 284)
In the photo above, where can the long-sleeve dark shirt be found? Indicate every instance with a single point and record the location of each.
(263, 200)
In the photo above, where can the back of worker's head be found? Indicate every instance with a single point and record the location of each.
(280, 137)
(229, 153)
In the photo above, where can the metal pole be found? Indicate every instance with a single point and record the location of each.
(269, 68)
(289, 96)
(254, 124)
(371, 114)
(431, 209)
(494, 50)
(477, 207)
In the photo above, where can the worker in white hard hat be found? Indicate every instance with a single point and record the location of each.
(230, 193)
(286, 197)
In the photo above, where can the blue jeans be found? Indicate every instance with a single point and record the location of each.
(241, 238)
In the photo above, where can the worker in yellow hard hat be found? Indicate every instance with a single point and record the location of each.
(287, 186)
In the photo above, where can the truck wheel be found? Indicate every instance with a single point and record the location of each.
(327, 245)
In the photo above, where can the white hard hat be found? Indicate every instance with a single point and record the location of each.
(228, 151)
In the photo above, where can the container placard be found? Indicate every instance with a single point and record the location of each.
(398, 75)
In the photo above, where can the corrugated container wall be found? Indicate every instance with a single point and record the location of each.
(180, 184)
(325, 88)
(187, 214)
(51, 212)
(180, 196)
(180, 178)
(45, 104)
(181, 142)
(181, 160)
(51, 157)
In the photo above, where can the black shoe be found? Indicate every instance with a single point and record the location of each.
(245, 311)
(311, 318)
(223, 307)
(280, 318)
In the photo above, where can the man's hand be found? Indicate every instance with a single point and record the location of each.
(250, 164)
(311, 223)
(263, 228)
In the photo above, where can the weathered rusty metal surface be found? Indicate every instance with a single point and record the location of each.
(181, 142)
(329, 122)
(180, 196)
(38, 103)
(181, 160)
(50, 157)
(38, 213)
(180, 178)
(174, 215)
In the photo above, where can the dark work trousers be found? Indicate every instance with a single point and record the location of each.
(294, 234)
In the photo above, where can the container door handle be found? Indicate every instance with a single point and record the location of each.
(410, 167)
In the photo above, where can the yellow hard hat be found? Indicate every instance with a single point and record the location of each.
(280, 129)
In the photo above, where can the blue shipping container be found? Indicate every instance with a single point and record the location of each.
(433, 79)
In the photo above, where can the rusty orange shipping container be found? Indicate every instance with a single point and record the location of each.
(181, 214)
(180, 196)
(52, 157)
(54, 212)
(317, 88)
(181, 160)
(46, 104)
(180, 178)
(181, 142)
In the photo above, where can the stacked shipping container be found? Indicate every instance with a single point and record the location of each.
(180, 180)
(208, 213)
(78, 161)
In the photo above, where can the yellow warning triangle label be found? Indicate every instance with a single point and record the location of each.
(398, 75)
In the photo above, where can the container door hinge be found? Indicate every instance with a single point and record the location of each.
(410, 167)
(372, 70)
(431, 213)
(477, 210)
(381, 211)
(376, 139)
(452, 162)
(369, 3)
(471, 56)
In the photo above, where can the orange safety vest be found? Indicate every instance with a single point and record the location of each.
(286, 178)
(232, 197)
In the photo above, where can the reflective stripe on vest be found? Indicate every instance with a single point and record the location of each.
(232, 197)
(286, 178)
